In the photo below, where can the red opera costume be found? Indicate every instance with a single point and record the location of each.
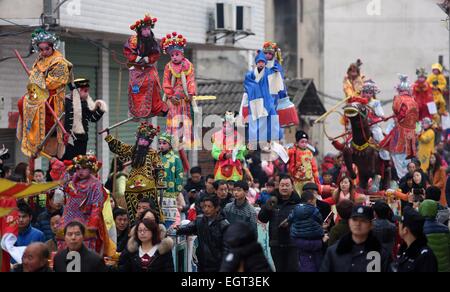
(85, 199)
(144, 97)
(179, 88)
(423, 94)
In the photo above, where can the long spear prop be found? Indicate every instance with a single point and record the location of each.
(60, 125)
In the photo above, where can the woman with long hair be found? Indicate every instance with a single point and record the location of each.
(147, 252)
(346, 190)
(437, 176)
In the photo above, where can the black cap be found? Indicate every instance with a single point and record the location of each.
(301, 135)
(362, 212)
(412, 219)
(310, 186)
(79, 83)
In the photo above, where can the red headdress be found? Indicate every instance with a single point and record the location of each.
(172, 42)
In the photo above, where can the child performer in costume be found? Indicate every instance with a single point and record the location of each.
(179, 88)
(80, 110)
(146, 177)
(142, 53)
(263, 120)
(173, 175)
(50, 74)
(354, 80)
(85, 199)
(302, 164)
(229, 151)
(423, 93)
(438, 83)
(286, 110)
(376, 113)
(401, 140)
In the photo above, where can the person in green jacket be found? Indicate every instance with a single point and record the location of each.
(173, 175)
(437, 234)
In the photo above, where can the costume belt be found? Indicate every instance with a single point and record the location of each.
(363, 147)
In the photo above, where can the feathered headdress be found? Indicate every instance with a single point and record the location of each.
(40, 35)
(146, 21)
(172, 42)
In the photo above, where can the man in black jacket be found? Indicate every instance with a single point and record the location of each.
(414, 255)
(76, 257)
(209, 228)
(275, 211)
(359, 250)
(80, 109)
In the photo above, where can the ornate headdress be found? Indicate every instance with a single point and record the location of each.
(87, 161)
(147, 131)
(421, 72)
(166, 137)
(370, 86)
(40, 35)
(146, 21)
(172, 42)
(404, 84)
(271, 47)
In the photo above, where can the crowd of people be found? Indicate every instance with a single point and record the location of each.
(379, 205)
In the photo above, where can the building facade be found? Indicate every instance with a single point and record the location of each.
(93, 33)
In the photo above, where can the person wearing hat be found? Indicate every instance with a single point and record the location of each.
(359, 250)
(142, 52)
(146, 177)
(180, 88)
(48, 78)
(173, 200)
(414, 255)
(423, 94)
(401, 140)
(263, 120)
(302, 164)
(426, 144)
(438, 234)
(80, 109)
(85, 199)
(438, 84)
(354, 80)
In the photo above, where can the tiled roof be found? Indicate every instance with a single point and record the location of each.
(229, 96)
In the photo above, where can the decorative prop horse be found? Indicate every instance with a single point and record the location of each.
(362, 150)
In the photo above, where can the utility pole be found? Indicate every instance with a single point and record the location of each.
(445, 6)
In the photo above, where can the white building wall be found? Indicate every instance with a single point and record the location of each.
(187, 17)
(395, 37)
